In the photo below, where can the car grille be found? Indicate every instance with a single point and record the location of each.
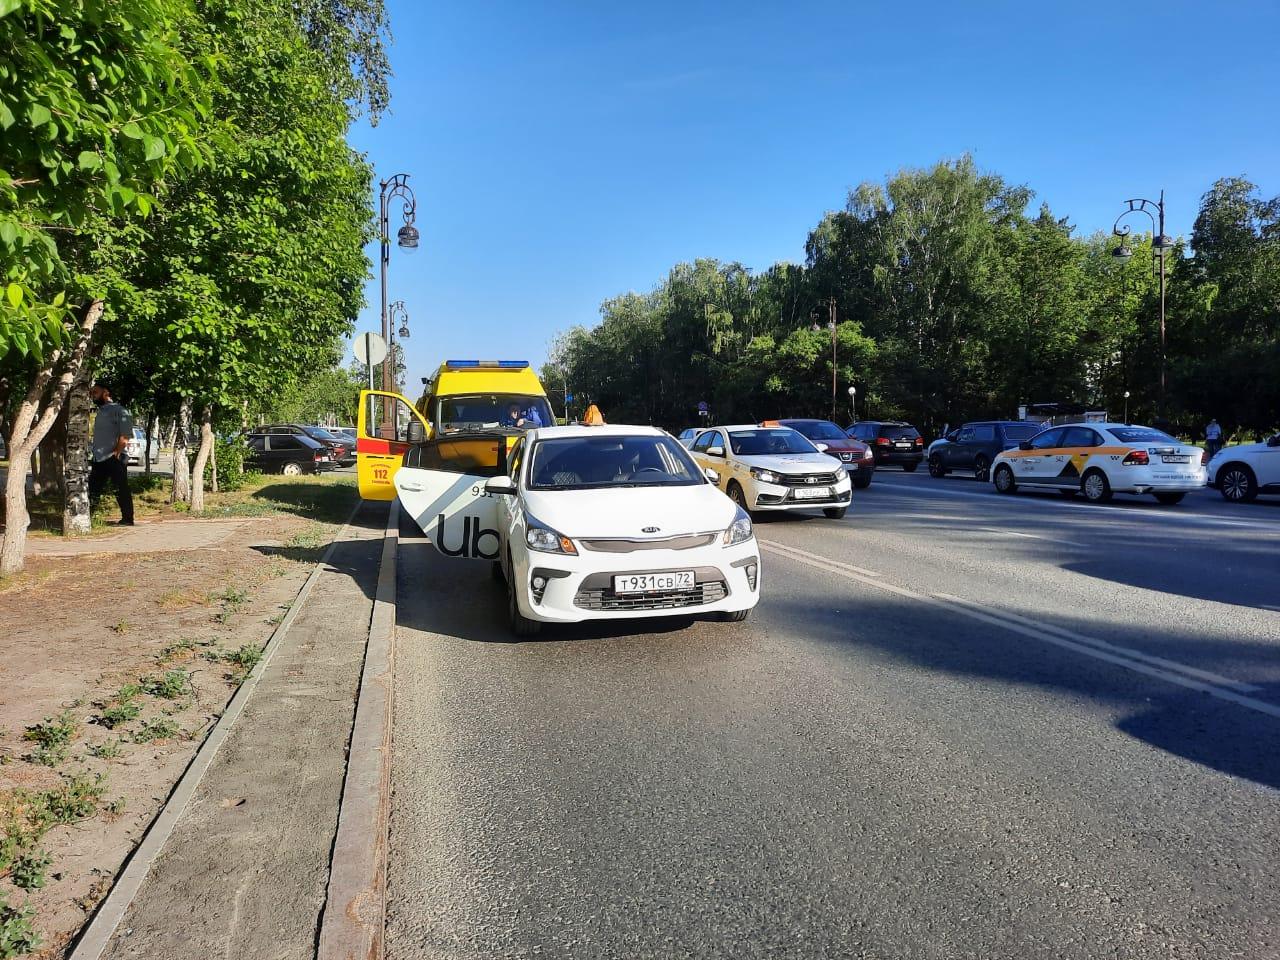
(806, 479)
(846, 455)
(686, 542)
(605, 599)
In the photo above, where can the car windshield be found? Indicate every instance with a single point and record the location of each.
(588, 462)
(320, 433)
(771, 442)
(1021, 431)
(1141, 435)
(487, 411)
(821, 430)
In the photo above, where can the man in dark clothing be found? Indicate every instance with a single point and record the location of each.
(112, 430)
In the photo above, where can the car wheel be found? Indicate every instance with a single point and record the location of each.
(910, 467)
(521, 625)
(1169, 499)
(734, 616)
(982, 469)
(1004, 479)
(738, 496)
(1237, 483)
(834, 513)
(291, 470)
(936, 469)
(1095, 486)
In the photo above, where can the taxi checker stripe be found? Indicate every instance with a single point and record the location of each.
(1074, 451)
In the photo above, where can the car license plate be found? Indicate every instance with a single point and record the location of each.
(813, 493)
(323, 459)
(647, 582)
(1176, 459)
(903, 443)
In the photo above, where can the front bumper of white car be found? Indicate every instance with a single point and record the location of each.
(791, 496)
(560, 588)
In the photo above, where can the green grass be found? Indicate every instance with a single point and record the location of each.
(107, 750)
(121, 707)
(30, 871)
(17, 935)
(157, 728)
(171, 685)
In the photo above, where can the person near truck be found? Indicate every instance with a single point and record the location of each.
(112, 430)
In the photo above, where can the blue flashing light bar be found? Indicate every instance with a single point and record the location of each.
(499, 364)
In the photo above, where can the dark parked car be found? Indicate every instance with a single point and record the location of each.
(288, 453)
(892, 441)
(343, 449)
(858, 460)
(973, 446)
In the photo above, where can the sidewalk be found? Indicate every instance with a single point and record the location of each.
(244, 873)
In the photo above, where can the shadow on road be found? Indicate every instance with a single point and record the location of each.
(1195, 726)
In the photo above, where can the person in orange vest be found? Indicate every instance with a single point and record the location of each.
(593, 417)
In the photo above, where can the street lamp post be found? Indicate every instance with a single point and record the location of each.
(831, 325)
(397, 188)
(1126, 406)
(1161, 244)
(853, 403)
(396, 313)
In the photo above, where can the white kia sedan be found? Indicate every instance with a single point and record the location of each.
(614, 522)
(774, 468)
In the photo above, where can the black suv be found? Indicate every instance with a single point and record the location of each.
(342, 448)
(973, 446)
(892, 440)
(287, 453)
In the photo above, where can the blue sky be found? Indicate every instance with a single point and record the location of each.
(565, 152)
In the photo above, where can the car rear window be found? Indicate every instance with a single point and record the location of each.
(899, 432)
(1140, 435)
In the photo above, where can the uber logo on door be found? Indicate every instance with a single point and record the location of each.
(472, 533)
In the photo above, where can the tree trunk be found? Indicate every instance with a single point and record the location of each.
(213, 468)
(75, 468)
(181, 465)
(150, 431)
(36, 414)
(202, 458)
(51, 459)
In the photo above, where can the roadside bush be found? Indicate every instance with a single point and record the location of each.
(230, 454)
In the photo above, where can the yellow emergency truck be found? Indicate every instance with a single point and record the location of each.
(470, 413)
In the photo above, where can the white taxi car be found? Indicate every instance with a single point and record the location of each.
(1242, 472)
(1101, 459)
(605, 522)
(773, 468)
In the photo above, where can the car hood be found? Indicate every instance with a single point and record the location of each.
(627, 511)
(1241, 448)
(794, 462)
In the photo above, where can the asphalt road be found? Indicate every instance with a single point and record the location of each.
(958, 725)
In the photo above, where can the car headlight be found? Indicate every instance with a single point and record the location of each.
(739, 531)
(540, 537)
(766, 476)
(868, 454)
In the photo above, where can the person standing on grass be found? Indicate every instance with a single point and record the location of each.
(1213, 438)
(112, 431)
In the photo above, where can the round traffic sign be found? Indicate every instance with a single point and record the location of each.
(370, 348)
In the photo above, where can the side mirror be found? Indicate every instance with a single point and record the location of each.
(953, 435)
(715, 451)
(1025, 445)
(1274, 441)
(500, 486)
(416, 434)
(711, 475)
(822, 447)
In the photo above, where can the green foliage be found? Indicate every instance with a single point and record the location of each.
(122, 707)
(53, 737)
(169, 686)
(29, 872)
(953, 304)
(230, 452)
(99, 103)
(17, 935)
(157, 728)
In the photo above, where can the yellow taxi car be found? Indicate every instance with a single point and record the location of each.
(1102, 459)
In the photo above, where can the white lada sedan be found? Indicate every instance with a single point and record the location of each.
(605, 522)
(1101, 459)
(774, 468)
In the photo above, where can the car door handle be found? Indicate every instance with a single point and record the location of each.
(411, 487)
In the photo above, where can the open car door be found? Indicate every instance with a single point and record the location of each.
(382, 438)
(441, 485)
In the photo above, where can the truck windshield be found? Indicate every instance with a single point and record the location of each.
(463, 413)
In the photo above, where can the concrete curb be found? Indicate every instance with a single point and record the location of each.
(95, 937)
(355, 907)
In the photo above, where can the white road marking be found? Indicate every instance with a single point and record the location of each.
(1186, 677)
(1206, 675)
(1030, 536)
(1110, 513)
